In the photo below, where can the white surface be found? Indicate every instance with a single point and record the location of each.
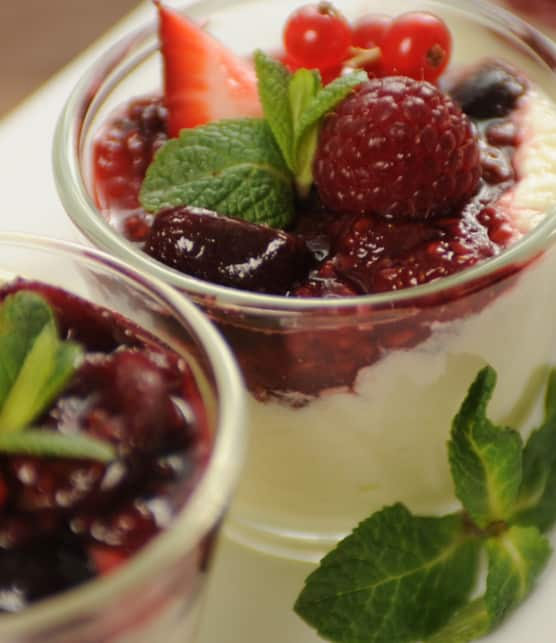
(251, 595)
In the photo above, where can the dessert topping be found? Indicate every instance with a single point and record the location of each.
(233, 166)
(317, 36)
(377, 255)
(417, 44)
(397, 147)
(228, 251)
(490, 91)
(400, 578)
(208, 82)
(36, 367)
(244, 168)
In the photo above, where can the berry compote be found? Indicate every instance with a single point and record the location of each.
(66, 520)
(336, 252)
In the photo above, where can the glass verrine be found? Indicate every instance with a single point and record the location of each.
(351, 399)
(158, 592)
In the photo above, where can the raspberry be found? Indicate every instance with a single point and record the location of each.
(377, 255)
(397, 147)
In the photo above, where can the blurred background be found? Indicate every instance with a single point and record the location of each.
(38, 37)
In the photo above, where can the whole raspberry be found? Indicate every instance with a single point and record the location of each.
(397, 147)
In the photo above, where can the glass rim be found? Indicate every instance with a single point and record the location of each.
(206, 503)
(120, 59)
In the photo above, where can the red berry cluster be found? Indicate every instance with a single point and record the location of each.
(414, 44)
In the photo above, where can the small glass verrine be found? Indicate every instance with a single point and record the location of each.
(351, 399)
(157, 593)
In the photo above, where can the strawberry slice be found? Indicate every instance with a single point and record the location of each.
(203, 80)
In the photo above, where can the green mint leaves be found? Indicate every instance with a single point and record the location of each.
(392, 579)
(294, 106)
(485, 460)
(400, 578)
(233, 167)
(247, 168)
(35, 367)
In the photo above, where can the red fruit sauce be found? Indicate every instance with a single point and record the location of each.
(64, 521)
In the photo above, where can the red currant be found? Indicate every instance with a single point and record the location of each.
(317, 36)
(418, 45)
(369, 31)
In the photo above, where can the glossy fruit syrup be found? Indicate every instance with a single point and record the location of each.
(66, 521)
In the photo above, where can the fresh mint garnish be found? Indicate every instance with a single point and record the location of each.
(247, 168)
(392, 579)
(516, 558)
(400, 578)
(301, 98)
(35, 367)
(46, 443)
(468, 624)
(233, 167)
(485, 459)
(34, 363)
(273, 93)
(536, 504)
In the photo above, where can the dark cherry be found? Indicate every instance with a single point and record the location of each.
(228, 251)
(490, 91)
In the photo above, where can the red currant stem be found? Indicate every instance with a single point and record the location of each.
(361, 57)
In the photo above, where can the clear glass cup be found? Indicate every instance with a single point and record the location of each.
(351, 399)
(158, 594)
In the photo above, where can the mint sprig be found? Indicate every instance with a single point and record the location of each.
(400, 578)
(35, 367)
(294, 105)
(247, 168)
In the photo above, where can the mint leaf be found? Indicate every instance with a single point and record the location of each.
(392, 580)
(468, 624)
(273, 91)
(516, 558)
(327, 98)
(35, 364)
(536, 504)
(307, 125)
(485, 459)
(46, 443)
(233, 167)
(550, 395)
(302, 89)
(22, 317)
